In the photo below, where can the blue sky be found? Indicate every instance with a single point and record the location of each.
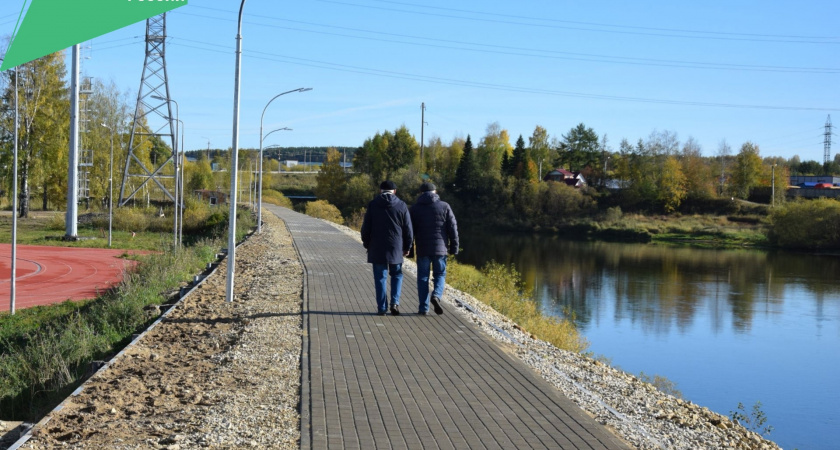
(740, 70)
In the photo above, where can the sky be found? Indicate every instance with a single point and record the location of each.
(764, 72)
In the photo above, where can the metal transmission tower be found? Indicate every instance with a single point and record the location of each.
(85, 152)
(153, 121)
(827, 142)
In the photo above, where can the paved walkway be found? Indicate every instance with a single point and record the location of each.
(412, 381)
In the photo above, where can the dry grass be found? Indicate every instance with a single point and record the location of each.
(501, 288)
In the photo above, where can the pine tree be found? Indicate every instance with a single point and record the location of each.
(465, 176)
(518, 163)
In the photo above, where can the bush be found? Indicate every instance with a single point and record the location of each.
(356, 219)
(322, 209)
(276, 198)
(812, 224)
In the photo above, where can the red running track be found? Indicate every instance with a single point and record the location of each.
(47, 275)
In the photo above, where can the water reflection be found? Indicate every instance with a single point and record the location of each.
(659, 288)
(726, 326)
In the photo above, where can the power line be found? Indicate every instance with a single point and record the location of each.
(673, 30)
(684, 34)
(545, 54)
(491, 86)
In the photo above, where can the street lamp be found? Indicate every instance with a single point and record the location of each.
(234, 162)
(13, 281)
(259, 200)
(110, 187)
(179, 211)
(175, 149)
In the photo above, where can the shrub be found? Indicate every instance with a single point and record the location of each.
(322, 209)
(356, 219)
(811, 224)
(276, 198)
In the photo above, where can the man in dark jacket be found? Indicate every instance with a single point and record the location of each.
(387, 236)
(436, 233)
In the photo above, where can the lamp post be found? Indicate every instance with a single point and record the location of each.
(179, 211)
(110, 187)
(259, 200)
(12, 286)
(234, 162)
(175, 150)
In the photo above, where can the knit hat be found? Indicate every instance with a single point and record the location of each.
(427, 186)
(388, 186)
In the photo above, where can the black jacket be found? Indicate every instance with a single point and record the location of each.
(435, 228)
(386, 230)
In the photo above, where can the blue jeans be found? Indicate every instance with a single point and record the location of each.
(438, 264)
(380, 276)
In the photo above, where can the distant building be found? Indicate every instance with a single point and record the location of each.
(213, 197)
(574, 179)
(290, 163)
(812, 180)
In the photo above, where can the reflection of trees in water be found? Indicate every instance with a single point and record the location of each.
(657, 287)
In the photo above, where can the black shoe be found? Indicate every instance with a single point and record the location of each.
(395, 310)
(380, 313)
(436, 305)
(422, 313)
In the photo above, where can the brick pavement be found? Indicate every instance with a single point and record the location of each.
(412, 381)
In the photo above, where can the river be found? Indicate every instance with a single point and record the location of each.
(726, 326)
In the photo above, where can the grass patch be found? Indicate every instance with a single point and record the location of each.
(45, 351)
(501, 288)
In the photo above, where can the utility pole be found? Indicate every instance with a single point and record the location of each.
(422, 125)
(773, 187)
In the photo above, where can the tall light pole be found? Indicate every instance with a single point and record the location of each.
(179, 211)
(14, 205)
(259, 206)
(110, 187)
(234, 163)
(175, 150)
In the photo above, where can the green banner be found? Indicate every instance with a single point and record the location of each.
(52, 25)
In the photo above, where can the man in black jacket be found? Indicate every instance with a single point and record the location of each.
(436, 233)
(387, 236)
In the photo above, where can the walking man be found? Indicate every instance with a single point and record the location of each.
(387, 236)
(436, 233)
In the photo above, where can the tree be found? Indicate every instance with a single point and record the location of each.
(44, 117)
(698, 174)
(519, 159)
(331, 179)
(383, 154)
(579, 148)
(465, 177)
(494, 144)
(672, 185)
(540, 149)
(723, 153)
(747, 169)
(199, 175)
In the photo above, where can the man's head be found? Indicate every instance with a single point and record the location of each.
(427, 187)
(388, 186)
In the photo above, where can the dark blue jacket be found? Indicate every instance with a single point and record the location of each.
(386, 230)
(435, 228)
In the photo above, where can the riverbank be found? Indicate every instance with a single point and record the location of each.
(696, 230)
(635, 410)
